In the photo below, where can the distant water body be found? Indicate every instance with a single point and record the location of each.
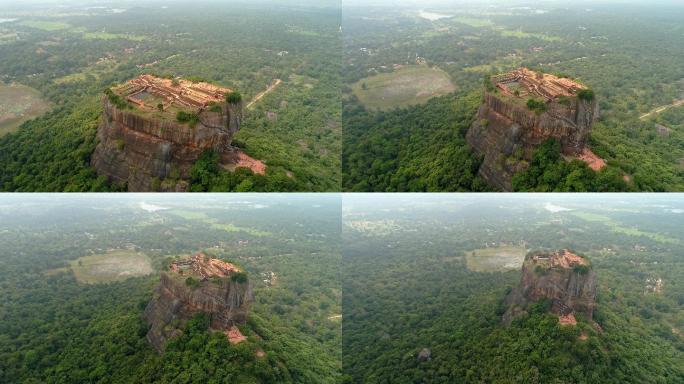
(433, 16)
(555, 208)
(151, 207)
(7, 20)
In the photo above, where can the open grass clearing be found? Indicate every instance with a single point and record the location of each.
(111, 36)
(111, 266)
(495, 259)
(45, 25)
(408, 85)
(228, 227)
(475, 21)
(528, 35)
(19, 103)
(618, 228)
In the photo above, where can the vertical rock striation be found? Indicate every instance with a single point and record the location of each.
(562, 277)
(212, 289)
(506, 131)
(146, 148)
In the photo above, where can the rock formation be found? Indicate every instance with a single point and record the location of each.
(193, 285)
(562, 277)
(521, 110)
(153, 130)
(424, 355)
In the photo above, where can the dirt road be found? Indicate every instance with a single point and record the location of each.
(261, 94)
(663, 108)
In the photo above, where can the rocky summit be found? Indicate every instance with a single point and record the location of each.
(198, 284)
(521, 110)
(562, 277)
(153, 130)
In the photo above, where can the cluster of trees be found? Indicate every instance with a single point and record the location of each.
(234, 97)
(537, 106)
(187, 117)
(549, 172)
(207, 176)
(115, 99)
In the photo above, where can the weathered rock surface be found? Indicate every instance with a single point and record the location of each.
(562, 277)
(424, 355)
(214, 291)
(506, 132)
(151, 151)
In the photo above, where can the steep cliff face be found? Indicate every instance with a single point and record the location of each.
(562, 277)
(149, 150)
(506, 131)
(223, 298)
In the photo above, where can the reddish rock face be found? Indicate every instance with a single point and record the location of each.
(147, 149)
(562, 277)
(506, 132)
(213, 291)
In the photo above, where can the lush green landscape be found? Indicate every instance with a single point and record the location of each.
(419, 286)
(629, 54)
(72, 53)
(77, 272)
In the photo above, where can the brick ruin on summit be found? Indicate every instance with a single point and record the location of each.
(183, 93)
(506, 131)
(203, 266)
(153, 130)
(529, 83)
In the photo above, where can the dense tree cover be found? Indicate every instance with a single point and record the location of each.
(234, 97)
(54, 154)
(411, 288)
(419, 148)
(549, 172)
(537, 106)
(627, 54)
(207, 176)
(55, 329)
(187, 117)
(240, 47)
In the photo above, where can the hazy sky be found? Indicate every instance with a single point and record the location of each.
(452, 3)
(411, 199)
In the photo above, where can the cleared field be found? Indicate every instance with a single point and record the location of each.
(111, 36)
(497, 259)
(406, 86)
(629, 231)
(45, 25)
(19, 103)
(111, 266)
(526, 35)
(475, 22)
(203, 217)
(234, 228)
